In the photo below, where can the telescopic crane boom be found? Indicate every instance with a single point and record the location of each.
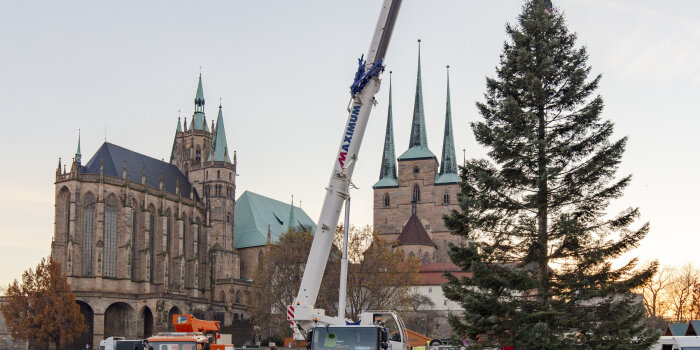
(301, 314)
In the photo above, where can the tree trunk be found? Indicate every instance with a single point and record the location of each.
(542, 239)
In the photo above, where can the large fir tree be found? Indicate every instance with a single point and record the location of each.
(541, 243)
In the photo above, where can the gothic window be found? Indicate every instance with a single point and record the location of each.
(416, 193)
(238, 297)
(88, 233)
(230, 176)
(187, 169)
(134, 207)
(445, 198)
(198, 156)
(110, 237)
(260, 258)
(152, 243)
(387, 200)
(222, 297)
(187, 249)
(206, 175)
(168, 229)
(218, 174)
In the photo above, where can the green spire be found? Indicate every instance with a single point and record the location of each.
(179, 125)
(199, 98)
(199, 121)
(219, 146)
(387, 174)
(448, 163)
(418, 144)
(292, 218)
(77, 152)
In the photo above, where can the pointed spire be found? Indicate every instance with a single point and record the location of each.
(448, 163)
(219, 145)
(177, 130)
(387, 173)
(291, 223)
(418, 143)
(77, 152)
(199, 122)
(199, 98)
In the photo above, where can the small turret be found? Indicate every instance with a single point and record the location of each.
(77, 152)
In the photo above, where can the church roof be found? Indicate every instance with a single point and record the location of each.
(387, 173)
(414, 233)
(254, 213)
(219, 145)
(113, 158)
(418, 145)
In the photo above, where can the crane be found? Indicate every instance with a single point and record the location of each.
(312, 324)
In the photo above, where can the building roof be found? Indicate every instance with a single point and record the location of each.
(693, 328)
(387, 173)
(448, 163)
(113, 158)
(418, 144)
(414, 233)
(432, 274)
(219, 146)
(676, 329)
(254, 213)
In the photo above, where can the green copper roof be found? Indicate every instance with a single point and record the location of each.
(387, 173)
(199, 98)
(179, 125)
(219, 145)
(77, 152)
(448, 163)
(418, 144)
(255, 212)
(199, 120)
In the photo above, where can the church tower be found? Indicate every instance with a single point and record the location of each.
(409, 206)
(202, 154)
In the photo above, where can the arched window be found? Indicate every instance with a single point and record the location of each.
(187, 169)
(260, 258)
(222, 297)
(168, 235)
(152, 243)
(218, 174)
(387, 200)
(198, 155)
(109, 262)
(416, 193)
(187, 239)
(445, 198)
(88, 234)
(230, 176)
(238, 297)
(134, 216)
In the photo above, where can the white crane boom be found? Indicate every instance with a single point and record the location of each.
(364, 88)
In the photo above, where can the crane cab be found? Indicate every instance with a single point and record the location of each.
(376, 330)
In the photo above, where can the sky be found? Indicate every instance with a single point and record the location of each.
(124, 70)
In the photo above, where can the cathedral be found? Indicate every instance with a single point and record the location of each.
(415, 190)
(141, 239)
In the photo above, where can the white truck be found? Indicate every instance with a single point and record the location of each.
(376, 329)
(119, 343)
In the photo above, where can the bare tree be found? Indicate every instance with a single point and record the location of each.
(685, 281)
(383, 277)
(654, 292)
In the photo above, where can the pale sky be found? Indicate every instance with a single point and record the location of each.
(282, 70)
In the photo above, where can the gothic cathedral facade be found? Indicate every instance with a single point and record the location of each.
(416, 190)
(141, 239)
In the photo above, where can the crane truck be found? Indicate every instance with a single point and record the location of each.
(375, 329)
